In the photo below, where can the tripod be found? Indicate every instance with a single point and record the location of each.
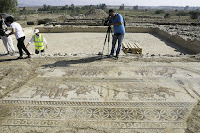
(109, 31)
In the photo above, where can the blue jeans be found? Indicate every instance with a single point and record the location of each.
(114, 41)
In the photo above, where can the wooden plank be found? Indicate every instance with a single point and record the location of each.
(137, 45)
(133, 48)
(130, 46)
(133, 45)
(125, 45)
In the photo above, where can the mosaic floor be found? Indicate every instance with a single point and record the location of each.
(146, 97)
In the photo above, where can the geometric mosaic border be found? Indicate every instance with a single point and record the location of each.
(103, 104)
(96, 115)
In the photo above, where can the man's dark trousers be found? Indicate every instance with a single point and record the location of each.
(21, 46)
(120, 38)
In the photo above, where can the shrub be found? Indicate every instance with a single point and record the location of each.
(194, 14)
(159, 11)
(182, 13)
(167, 15)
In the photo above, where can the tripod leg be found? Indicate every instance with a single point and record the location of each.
(108, 42)
(109, 33)
(105, 42)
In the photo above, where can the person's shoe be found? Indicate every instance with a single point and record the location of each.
(28, 57)
(12, 53)
(20, 57)
(110, 56)
(116, 57)
(7, 53)
(42, 54)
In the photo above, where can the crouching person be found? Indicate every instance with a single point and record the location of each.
(39, 41)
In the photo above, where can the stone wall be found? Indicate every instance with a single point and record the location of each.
(190, 46)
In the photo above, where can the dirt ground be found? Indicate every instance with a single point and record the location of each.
(92, 43)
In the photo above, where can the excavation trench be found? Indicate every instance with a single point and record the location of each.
(186, 46)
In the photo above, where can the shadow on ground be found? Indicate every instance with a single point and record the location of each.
(7, 60)
(67, 63)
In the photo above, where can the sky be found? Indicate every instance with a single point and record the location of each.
(112, 2)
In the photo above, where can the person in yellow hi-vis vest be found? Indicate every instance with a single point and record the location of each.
(39, 41)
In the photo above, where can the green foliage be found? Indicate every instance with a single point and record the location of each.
(167, 15)
(64, 7)
(48, 8)
(88, 7)
(194, 14)
(136, 7)
(102, 6)
(23, 11)
(8, 6)
(186, 8)
(159, 11)
(182, 13)
(121, 7)
(72, 9)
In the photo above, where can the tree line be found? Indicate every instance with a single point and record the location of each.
(72, 7)
(7, 6)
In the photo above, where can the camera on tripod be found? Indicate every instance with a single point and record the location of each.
(107, 21)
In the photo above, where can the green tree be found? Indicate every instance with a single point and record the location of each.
(136, 7)
(65, 7)
(24, 10)
(72, 8)
(121, 7)
(8, 5)
(45, 7)
(159, 11)
(194, 14)
(78, 9)
(167, 15)
(102, 6)
(182, 13)
(186, 8)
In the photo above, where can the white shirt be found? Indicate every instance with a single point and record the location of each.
(18, 30)
(31, 41)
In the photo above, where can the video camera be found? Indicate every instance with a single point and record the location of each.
(107, 21)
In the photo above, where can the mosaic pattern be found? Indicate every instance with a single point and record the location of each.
(131, 90)
(106, 116)
(121, 71)
(113, 99)
(36, 129)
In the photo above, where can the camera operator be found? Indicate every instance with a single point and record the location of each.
(119, 31)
